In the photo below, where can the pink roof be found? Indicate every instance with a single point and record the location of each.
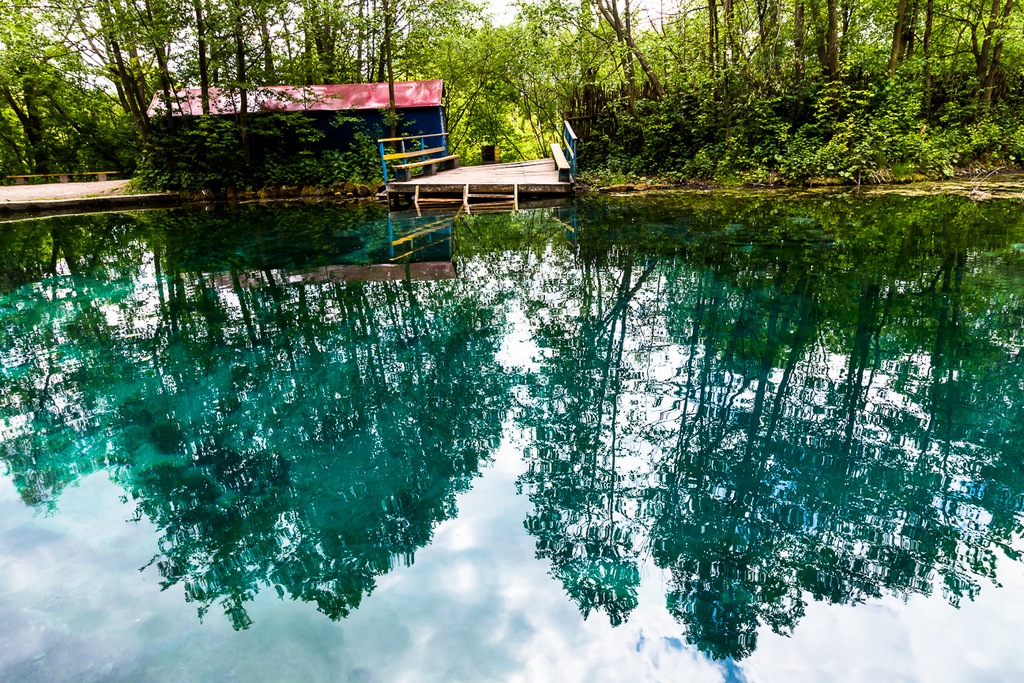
(337, 97)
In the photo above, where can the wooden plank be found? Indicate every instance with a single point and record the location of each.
(561, 163)
(563, 223)
(417, 153)
(457, 190)
(412, 137)
(532, 177)
(425, 246)
(427, 227)
(427, 162)
(420, 233)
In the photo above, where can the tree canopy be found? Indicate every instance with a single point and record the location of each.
(754, 91)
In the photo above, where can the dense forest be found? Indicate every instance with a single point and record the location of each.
(756, 91)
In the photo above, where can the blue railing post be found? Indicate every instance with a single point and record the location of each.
(391, 232)
(569, 145)
(383, 163)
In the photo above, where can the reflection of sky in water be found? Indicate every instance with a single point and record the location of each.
(475, 606)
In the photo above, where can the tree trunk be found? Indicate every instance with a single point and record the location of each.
(713, 36)
(623, 36)
(165, 72)
(269, 77)
(987, 58)
(798, 41)
(910, 34)
(243, 94)
(204, 66)
(360, 42)
(926, 47)
(31, 124)
(130, 88)
(832, 42)
(389, 20)
(898, 31)
(630, 73)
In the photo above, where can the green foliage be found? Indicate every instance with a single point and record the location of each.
(841, 133)
(195, 153)
(743, 92)
(53, 116)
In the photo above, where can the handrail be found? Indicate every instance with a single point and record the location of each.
(384, 158)
(569, 141)
(410, 137)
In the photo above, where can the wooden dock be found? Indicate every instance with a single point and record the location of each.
(533, 177)
(496, 181)
(441, 181)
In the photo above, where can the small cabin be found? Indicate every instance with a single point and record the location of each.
(419, 105)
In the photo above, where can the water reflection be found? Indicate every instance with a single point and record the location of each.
(781, 409)
(292, 432)
(773, 402)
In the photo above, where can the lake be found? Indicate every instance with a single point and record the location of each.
(682, 437)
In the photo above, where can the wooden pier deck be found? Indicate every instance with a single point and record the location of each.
(532, 178)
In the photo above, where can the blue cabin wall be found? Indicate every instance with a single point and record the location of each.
(341, 136)
(414, 121)
(197, 152)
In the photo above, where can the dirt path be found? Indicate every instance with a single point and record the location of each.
(27, 193)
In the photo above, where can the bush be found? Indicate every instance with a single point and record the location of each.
(864, 128)
(205, 152)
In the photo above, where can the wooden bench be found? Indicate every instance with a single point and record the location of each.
(403, 172)
(64, 177)
(561, 163)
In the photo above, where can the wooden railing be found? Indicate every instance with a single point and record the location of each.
(569, 142)
(409, 148)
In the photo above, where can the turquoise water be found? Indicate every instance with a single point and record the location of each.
(663, 439)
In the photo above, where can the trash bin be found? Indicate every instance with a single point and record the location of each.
(489, 154)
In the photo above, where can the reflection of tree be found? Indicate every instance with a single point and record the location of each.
(822, 405)
(302, 436)
(581, 522)
(771, 402)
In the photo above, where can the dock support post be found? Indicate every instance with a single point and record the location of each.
(515, 197)
(465, 197)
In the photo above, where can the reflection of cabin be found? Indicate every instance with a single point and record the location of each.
(417, 248)
(419, 106)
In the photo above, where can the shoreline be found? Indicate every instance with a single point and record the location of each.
(55, 207)
(1002, 184)
(997, 184)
